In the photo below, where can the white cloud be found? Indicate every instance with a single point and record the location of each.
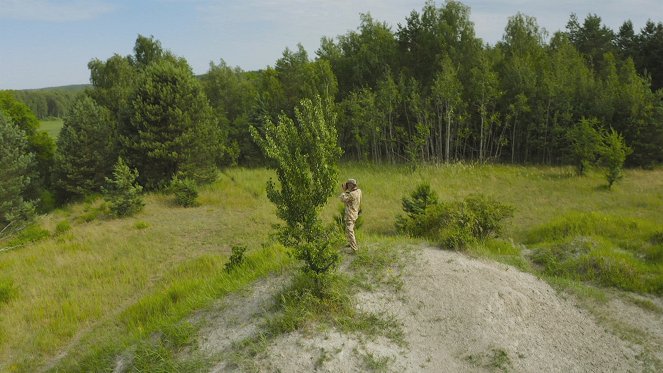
(54, 11)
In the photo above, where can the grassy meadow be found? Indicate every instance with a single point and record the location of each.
(52, 127)
(91, 287)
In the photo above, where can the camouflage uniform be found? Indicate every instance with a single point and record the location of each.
(352, 200)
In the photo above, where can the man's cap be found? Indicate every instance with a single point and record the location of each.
(352, 182)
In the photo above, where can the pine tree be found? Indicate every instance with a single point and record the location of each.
(86, 149)
(16, 165)
(122, 191)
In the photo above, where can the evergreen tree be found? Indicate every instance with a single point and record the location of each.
(86, 149)
(122, 191)
(16, 166)
(170, 126)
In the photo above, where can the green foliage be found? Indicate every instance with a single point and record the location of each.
(15, 173)
(86, 149)
(415, 206)
(178, 134)
(185, 190)
(604, 249)
(39, 143)
(305, 154)
(613, 155)
(585, 140)
(236, 258)
(320, 255)
(455, 225)
(122, 191)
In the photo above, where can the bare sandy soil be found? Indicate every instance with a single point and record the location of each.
(457, 314)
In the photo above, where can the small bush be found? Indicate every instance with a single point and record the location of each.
(455, 237)
(123, 192)
(185, 191)
(141, 225)
(62, 227)
(236, 258)
(488, 215)
(415, 206)
(455, 225)
(613, 155)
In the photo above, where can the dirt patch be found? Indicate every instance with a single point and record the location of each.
(456, 313)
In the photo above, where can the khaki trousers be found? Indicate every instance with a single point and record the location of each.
(350, 233)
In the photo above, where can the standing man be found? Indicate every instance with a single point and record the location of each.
(352, 198)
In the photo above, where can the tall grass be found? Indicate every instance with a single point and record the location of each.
(63, 285)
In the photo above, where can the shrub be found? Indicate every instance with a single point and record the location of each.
(488, 215)
(236, 258)
(122, 192)
(613, 155)
(415, 206)
(453, 225)
(185, 190)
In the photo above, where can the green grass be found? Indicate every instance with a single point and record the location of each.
(52, 127)
(91, 288)
(605, 249)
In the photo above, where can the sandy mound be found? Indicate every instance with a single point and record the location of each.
(457, 314)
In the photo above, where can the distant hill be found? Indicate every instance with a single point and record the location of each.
(63, 88)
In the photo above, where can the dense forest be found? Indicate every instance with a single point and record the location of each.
(428, 90)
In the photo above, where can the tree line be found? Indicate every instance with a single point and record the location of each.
(49, 102)
(428, 90)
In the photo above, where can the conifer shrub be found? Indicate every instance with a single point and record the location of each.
(122, 192)
(185, 191)
(414, 207)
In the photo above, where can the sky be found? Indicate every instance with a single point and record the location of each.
(46, 43)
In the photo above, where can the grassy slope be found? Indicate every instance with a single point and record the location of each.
(71, 285)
